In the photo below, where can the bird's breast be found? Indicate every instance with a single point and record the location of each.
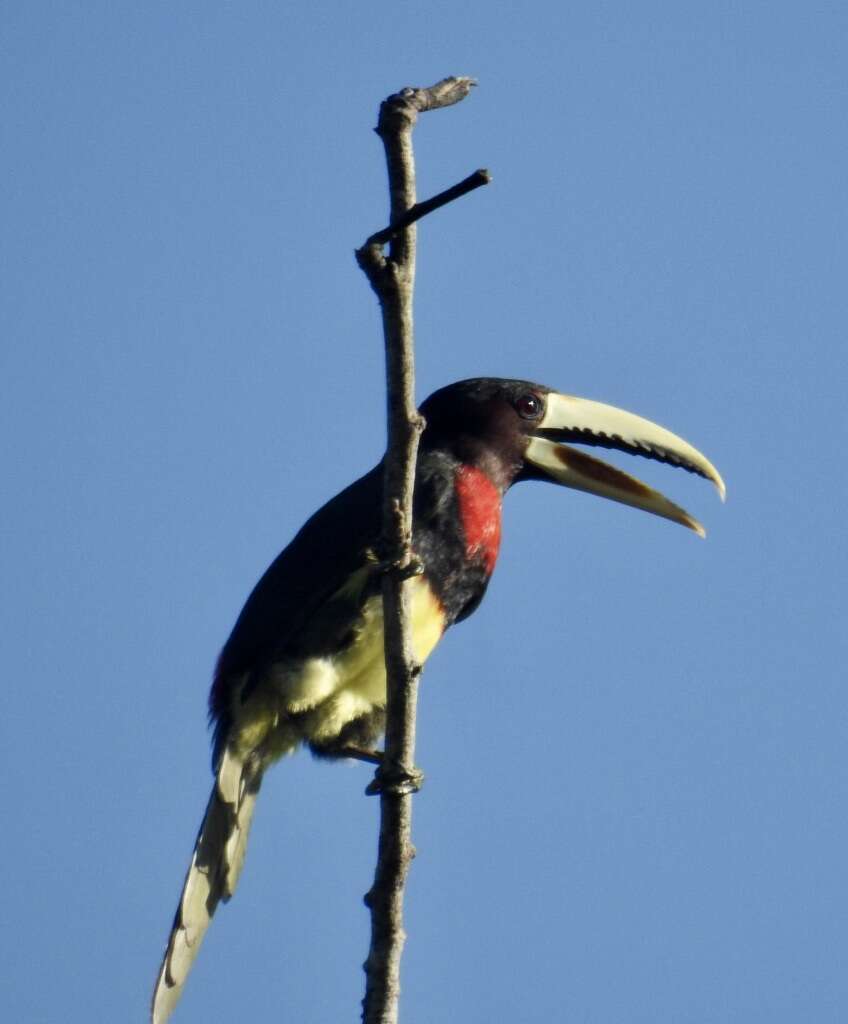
(360, 667)
(479, 504)
(352, 683)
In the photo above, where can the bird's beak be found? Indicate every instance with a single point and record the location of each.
(592, 423)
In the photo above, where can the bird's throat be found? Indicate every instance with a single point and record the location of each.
(479, 503)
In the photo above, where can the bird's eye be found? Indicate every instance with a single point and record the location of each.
(529, 406)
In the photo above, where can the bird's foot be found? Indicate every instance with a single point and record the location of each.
(395, 779)
(414, 567)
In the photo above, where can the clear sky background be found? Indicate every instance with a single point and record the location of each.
(635, 807)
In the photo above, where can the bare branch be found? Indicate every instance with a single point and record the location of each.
(392, 278)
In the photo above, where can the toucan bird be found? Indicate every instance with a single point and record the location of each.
(304, 662)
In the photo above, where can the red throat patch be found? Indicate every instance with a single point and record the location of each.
(480, 513)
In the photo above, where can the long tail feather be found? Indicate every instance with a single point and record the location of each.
(212, 875)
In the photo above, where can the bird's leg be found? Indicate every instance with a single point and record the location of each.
(393, 777)
(359, 754)
(337, 749)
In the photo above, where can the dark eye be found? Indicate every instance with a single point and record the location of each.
(529, 406)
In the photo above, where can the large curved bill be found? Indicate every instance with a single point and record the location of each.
(582, 472)
(582, 421)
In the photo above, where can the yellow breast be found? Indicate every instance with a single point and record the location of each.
(328, 692)
(358, 683)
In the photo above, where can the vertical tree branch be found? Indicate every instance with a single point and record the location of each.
(392, 278)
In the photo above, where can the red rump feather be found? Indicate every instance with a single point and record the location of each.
(480, 513)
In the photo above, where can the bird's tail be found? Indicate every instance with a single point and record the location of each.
(212, 875)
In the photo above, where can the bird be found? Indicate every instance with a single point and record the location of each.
(304, 663)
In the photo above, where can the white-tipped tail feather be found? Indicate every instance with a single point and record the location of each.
(212, 876)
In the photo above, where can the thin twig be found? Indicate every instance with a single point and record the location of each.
(462, 188)
(392, 278)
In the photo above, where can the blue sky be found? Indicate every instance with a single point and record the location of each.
(635, 807)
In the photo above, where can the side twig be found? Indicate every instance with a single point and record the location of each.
(462, 188)
(392, 277)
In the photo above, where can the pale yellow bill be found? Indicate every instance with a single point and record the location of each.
(582, 472)
(608, 426)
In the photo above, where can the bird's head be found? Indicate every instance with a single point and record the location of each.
(515, 430)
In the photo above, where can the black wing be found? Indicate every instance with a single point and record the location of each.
(329, 547)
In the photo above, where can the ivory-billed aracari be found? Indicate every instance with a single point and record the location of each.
(304, 662)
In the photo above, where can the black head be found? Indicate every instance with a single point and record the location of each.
(485, 422)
